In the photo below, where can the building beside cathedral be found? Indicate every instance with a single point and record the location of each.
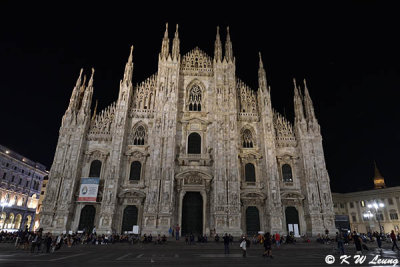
(191, 145)
(353, 210)
(20, 183)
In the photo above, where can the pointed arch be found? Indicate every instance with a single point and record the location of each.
(139, 133)
(248, 137)
(195, 96)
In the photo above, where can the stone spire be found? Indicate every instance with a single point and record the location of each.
(262, 77)
(379, 181)
(84, 111)
(165, 44)
(298, 103)
(217, 47)
(74, 100)
(308, 105)
(228, 47)
(129, 68)
(90, 84)
(78, 82)
(175, 45)
(95, 110)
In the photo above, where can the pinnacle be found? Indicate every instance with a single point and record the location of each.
(166, 30)
(261, 63)
(130, 55)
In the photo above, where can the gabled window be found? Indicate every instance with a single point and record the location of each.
(195, 98)
(247, 139)
(139, 136)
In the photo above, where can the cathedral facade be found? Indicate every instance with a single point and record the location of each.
(191, 145)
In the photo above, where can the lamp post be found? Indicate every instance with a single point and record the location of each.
(369, 214)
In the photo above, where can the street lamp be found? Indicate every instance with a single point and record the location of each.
(369, 214)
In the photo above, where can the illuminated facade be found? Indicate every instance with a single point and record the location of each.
(191, 145)
(355, 205)
(20, 185)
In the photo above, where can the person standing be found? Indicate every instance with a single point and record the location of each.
(277, 240)
(177, 229)
(339, 240)
(243, 245)
(394, 239)
(378, 239)
(357, 242)
(226, 243)
(48, 241)
(170, 231)
(94, 230)
(267, 245)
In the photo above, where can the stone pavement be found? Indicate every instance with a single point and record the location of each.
(179, 254)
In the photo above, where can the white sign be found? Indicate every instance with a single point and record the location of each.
(88, 190)
(135, 229)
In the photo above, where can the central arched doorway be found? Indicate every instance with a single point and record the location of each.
(130, 218)
(192, 213)
(292, 220)
(252, 221)
(86, 221)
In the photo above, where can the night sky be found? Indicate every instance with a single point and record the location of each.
(348, 52)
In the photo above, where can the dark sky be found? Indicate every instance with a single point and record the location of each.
(348, 52)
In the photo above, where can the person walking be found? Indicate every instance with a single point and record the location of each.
(226, 243)
(394, 239)
(267, 245)
(243, 245)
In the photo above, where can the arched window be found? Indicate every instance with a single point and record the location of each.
(195, 98)
(287, 173)
(139, 136)
(136, 168)
(95, 168)
(28, 221)
(250, 173)
(247, 139)
(194, 143)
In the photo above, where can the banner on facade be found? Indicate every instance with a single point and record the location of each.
(88, 190)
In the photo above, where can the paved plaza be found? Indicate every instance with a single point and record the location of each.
(179, 254)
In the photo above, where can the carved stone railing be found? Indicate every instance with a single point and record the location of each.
(194, 159)
(244, 116)
(247, 185)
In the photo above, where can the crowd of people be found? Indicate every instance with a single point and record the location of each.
(41, 242)
(362, 240)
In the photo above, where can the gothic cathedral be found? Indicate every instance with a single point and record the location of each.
(191, 145)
